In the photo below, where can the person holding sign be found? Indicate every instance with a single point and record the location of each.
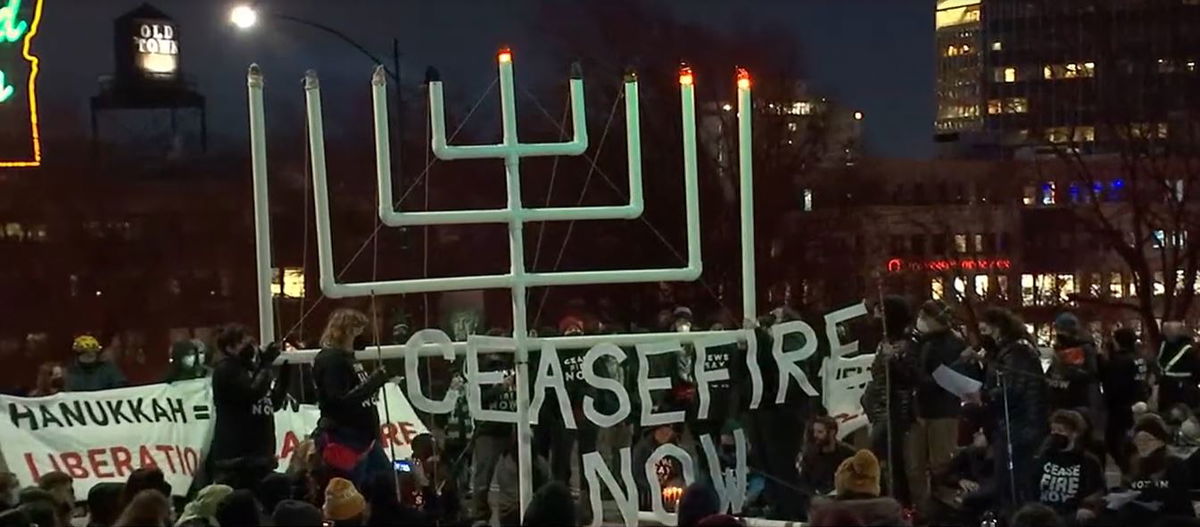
(243, 445)
(347, 433)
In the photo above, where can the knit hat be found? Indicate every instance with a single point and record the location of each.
(858, 474)
(342, 500)
(204, 507)
(295, 513)
(1153, 425)
(1066, 323)
(85, 343)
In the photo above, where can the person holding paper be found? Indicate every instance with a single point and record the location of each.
(1014, 399)
(931, 440)
(1157, 483)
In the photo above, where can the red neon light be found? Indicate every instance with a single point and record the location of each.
(896, 265)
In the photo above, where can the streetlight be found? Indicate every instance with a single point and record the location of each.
(243, 16)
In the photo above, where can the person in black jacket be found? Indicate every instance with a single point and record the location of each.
(1073, 372)
(822, 456)
(1069, 480)
(1179, 366)
(1124, 376)
(1014, 398)
(888, 398)
(347, 434)
(1157, 484)
(967, 484)
(931, 440)
(243, 444)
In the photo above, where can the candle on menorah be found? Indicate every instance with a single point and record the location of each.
(515, 215)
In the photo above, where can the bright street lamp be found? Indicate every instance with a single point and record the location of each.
(243, 16)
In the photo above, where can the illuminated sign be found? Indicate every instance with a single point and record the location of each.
(156, 49)
(896, 265)
(20, 145)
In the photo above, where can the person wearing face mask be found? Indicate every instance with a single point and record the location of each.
(1180, 368)
(90, 372)
(245, 400)
(347, 434)
(1069, 479)
(1073, 370)
(189, 360)
(1013, 397)
(931, 440)
(888, 399)
(1157, 485)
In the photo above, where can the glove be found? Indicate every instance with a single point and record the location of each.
(270, 353)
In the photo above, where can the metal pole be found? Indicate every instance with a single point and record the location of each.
(746, 170)
(262, 211)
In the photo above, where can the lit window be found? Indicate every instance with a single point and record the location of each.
(14, 231)
(808, 199)
(995, 106)
(1045, 289)
(1028, 290)
(1048, 193)
(1085, 134)
(1016, 105)
(800, 108)
(1058, 134)
(1066, 287)
(960, 287)
(792, 127)
(1030, 196)
(997, 46)
(1045, 335)
(981, 285)
(1048, 72)
(1158, 239)
(937, 289)
(1115, 287)
(1159, 288)
(291, 285)
(1002, 286)
(978, 243)
(960, 243)
(1096, 285)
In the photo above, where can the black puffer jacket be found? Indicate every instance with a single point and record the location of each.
(935, 350)
(899, 387)
(1019, 364)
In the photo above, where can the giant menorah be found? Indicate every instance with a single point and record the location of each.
(518, 279)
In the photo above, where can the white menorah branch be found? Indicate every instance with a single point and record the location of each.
(511, 150)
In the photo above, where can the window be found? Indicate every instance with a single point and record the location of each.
(1058, 134)
(1004, 74)
(937, 289)
(960, 243)
(939, 245)
(918, 244)
(792, 127)
(1002, 286)
(1016, 105)
(800, 108)
(1030, 195)
(1159, 288)
(1028, 290)
(13, 231)
(960, 287)
(1096, 285)
(1085, 134)
(897, 243)
(290, 285)
(997, 46)
(1158, 239)
(981, 285)
(1072, 70)
(979, 243)
(1048, 197)
(1066, 287)
(995, 106)
(807, 199)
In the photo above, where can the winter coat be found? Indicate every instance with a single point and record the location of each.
(1124, 376)
(818, 468)
(347, 396)
(873, 512)
(1073, 375)
(1025, 384)
(94, 376)
(933, 351)
(898, 389)
(245, 403)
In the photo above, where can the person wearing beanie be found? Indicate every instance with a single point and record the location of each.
(551, 506)
(856, 484)
(90, 371)
(344, 506)
(889, 397)
(1070, 480)
(699, 501)
(1124, 377)
(1179, 366)
(202, 511)
(1157, 482)
(296, 513)
(933, 437)
(1073, 375)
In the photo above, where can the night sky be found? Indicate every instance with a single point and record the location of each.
(872, 55)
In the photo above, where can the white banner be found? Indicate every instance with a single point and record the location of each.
(845, 382)
(102, 436)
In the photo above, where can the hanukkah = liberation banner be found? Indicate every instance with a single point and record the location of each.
(102, 436)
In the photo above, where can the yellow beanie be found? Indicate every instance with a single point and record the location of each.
(85, 343)
(858, 474)
(342, 500)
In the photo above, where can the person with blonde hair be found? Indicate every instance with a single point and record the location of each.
(347, 434)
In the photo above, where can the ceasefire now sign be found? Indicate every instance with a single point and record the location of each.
(20, 145)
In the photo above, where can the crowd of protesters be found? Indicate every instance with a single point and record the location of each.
(1033, 445)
